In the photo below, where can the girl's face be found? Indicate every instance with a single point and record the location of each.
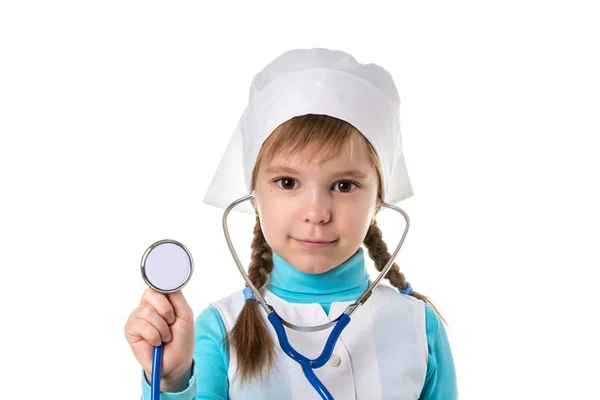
(332, 203)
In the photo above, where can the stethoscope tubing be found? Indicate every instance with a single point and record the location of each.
(306, 363)
(278, 323)
(339, 323)
(351, 308)
(156, 366)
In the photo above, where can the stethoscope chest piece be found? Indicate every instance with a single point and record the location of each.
(166, 267)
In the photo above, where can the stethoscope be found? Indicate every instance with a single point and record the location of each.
(307, 364)
(167, 266)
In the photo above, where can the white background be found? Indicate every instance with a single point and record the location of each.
(114, 115)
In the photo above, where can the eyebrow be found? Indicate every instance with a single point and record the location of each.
(282, 169)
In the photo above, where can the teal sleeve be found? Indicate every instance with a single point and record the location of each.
(440, 381)
(187, 394)
(209, 379)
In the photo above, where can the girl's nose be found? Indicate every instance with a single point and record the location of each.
(317, 207)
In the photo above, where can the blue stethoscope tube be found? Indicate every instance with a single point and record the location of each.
(307, 364)
(156, 364)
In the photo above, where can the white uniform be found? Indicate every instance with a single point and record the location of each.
(381, 354)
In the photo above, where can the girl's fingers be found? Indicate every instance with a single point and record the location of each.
(160, 303)
(181, 306)
(149, 314)
(147, 331)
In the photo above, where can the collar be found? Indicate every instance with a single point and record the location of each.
(345, 282)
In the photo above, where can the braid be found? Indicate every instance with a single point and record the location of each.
(249, 337)
(378, 252)
(261, 258)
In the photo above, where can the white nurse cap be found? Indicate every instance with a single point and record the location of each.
(314, 81)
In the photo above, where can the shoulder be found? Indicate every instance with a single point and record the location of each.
(389, 294)
(433, 322)
(211, 318)
(210, 330)
(209, 324)
(229, 300)
(388, 302)
(228, 308)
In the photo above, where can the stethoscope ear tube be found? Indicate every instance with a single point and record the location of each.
(261, 300)
(340, 323)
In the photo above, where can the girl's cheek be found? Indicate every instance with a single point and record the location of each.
(356, 217)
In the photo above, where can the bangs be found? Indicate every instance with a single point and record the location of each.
(312, 137)
(309, 137)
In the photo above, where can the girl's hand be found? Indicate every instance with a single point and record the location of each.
(166, 319)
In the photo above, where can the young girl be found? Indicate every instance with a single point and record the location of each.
(319, 147)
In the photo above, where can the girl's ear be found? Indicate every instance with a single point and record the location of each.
(253, 202)
(377, 208)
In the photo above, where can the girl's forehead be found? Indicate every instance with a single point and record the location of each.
(311, 162)
(353, 151)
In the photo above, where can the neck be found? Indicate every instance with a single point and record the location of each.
(345, 282)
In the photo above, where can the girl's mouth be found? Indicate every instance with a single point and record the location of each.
(312, 245)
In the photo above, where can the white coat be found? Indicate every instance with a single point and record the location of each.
(381, 354)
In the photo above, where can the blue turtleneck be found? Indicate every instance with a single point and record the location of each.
(345, 282)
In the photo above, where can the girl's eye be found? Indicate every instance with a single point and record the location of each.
(286, 183)
(345, 186)
(290, 183)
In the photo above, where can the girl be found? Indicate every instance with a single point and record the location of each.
(320, 148)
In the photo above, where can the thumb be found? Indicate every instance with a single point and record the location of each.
(181, 307)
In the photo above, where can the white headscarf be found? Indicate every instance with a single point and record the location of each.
(314, 81)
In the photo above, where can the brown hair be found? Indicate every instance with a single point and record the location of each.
(249, 338)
